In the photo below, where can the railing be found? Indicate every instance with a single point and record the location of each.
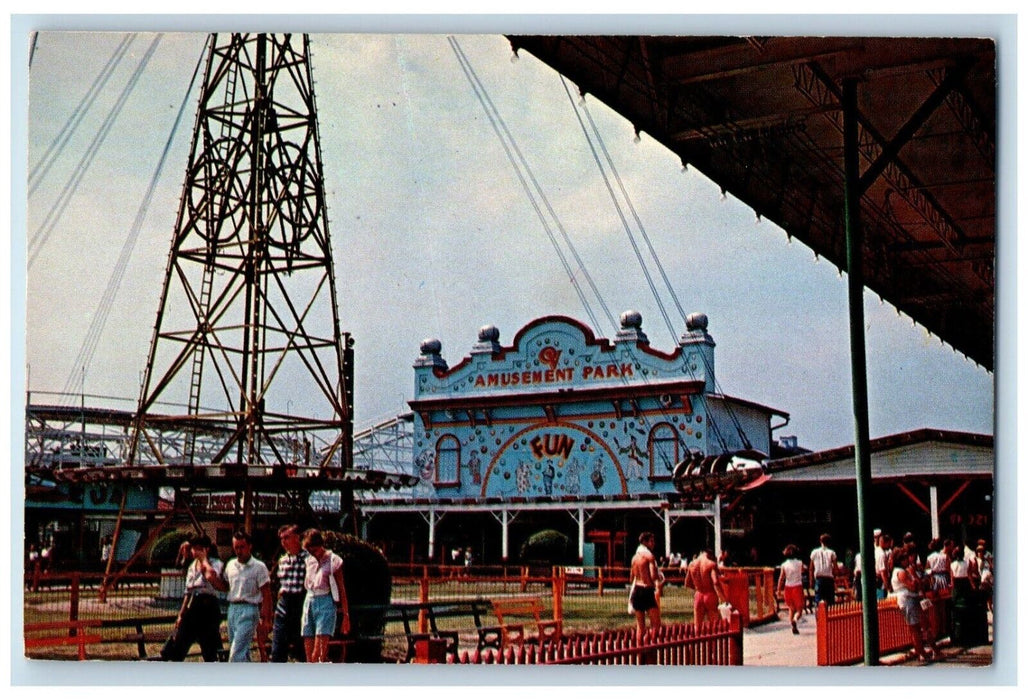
(840, 630)
(677, 644)
(61, 633)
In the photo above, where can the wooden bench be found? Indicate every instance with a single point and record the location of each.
(141, 636)
(510, 631)
(72, 633)
(410, 615)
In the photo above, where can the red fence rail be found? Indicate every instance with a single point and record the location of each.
(672, 645)
(840, 630)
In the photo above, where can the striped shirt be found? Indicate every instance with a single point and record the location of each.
(291, 571)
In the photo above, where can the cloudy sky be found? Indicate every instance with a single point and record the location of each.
(434, 236)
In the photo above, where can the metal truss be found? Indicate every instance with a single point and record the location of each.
(247, 323)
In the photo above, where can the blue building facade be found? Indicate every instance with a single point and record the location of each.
(563, 414)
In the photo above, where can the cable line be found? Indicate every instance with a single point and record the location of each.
(660, 305)
(635, 214)
(53, 151)
(42, 234)
(99, 320)
(499, 124)
(621, 215)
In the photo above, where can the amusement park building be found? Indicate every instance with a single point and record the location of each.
(564, 430)
(562, 423)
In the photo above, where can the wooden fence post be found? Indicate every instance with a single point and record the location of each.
(821, 618)
(735, 641)
(423, 614)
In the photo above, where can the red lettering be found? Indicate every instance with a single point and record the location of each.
(626, 370)
(587, 371)
(537, 447)
(479, 381)
(537, 377)
(612, 370)
(551, 445)
(494, 380)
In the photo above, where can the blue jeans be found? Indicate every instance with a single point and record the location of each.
(285, 635)
(242, 623)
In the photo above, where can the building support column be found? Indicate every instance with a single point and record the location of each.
(581, 534)
(667, 534)
(505, 518)
(432, 519)
(858, 361)
(505, 537)
(933, 504)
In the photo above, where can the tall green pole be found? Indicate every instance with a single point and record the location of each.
(858, 364)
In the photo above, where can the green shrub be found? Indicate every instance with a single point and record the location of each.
(368, 592)
(546, 548)
(164, 549)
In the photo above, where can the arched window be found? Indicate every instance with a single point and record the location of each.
(663, 449)
(447, 460)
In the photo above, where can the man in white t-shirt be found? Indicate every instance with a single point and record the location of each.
(823, 566)
(249, 599)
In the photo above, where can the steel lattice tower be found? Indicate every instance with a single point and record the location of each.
(247, 324)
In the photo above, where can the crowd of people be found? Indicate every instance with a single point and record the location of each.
(942, 573)
(918, 579)
(310, 605)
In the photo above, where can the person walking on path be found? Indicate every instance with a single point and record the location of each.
(702, 576)
(823, 567)
(290, 571)
(325, 591)
(199, 618)
(250, 613)
(790, 585)
(645, 591)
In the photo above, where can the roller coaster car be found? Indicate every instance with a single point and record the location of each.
(709, 475)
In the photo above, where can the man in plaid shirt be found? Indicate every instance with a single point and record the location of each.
(290, 572)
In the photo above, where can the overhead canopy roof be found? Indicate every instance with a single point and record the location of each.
(762, 118)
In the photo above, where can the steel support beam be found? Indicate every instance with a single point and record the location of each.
(858, 363)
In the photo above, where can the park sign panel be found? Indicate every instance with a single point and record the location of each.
(561, 413)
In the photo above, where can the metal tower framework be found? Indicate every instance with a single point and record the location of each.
(247, 323)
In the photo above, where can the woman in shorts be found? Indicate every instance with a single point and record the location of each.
(325, 593)
(907, 588)
(790, 584)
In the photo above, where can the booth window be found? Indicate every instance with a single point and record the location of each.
(447, 460)
(664, 446)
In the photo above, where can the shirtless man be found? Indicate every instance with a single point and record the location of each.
(646, 580)
(703, 577)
